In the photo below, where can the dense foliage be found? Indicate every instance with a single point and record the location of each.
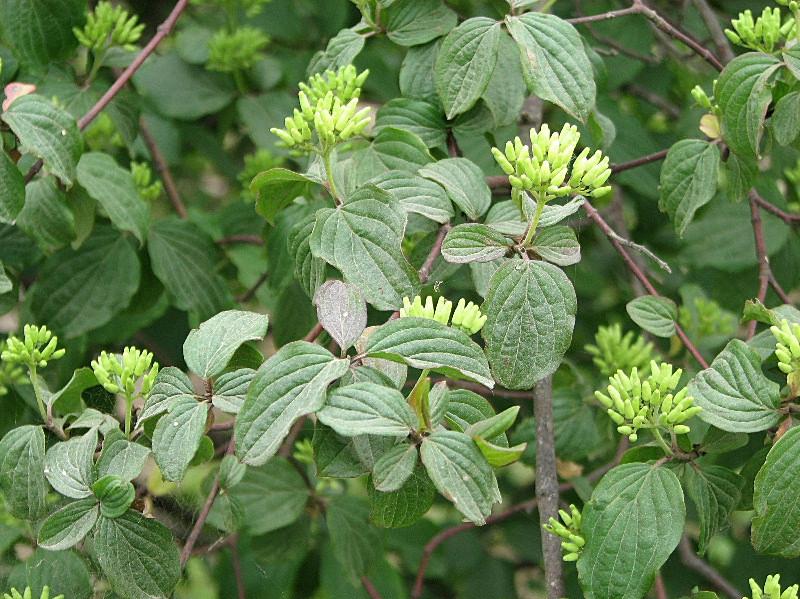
(341, 299)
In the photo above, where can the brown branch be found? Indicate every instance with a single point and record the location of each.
(788, 217)
(250, 293)
(372, 591)
(692, 561)
(764, 270)
(246, 239)
(625, 166)
(547, 485)
(312, 335)
(592, 212)
(194, 534)
(660, 588)
(717, 34)
(606, 16)
(288, 443)
(427, 266)
(236, 562)
(163, 170)
(163, 31)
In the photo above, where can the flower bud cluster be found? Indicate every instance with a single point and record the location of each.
(237, 50)
(772, 589)
(787, 351)
(635, 402)
(703, 100)
(258, 162)
(28, 594)
(614, 351)
(143, 179)
(763, 34)
(108, 25)
(329, 106)
(570, 531)
(544, 167)
(10, 373)
(35, 350)
(119, 373)
(467, 316)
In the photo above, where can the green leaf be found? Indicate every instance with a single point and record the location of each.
(40, 31)
(292, 383)
(171, 386)
(461, 473)
(715, 491)
(414, 22)
(417, 116)
(740, 175)
(558, 244)
(66, 295)
(497, 455)
(474, 242)
(230, 390)
(464, 182)
(277, 188)
(47, 132)
(494, 426)
(21, 472)
(46, 215)
(208, 349)
(554, 62)
(416, 72)
(184, 259)
(115, 495)
(632, 524)
(138, 556)
(177, 436)
(392, 149)
(791, 58)
(734, 393)
(785, 120)
(743, 93)
(341, 311)
(506, 92)
(335, 455)
(416, 194)
(362, 239)
(776, 523)
(530, 311)
(404, 506)
(270, 496)
(70, 395)
(465, 63)
(62, 570)
(12, 190)
(425, 343)
(68, 465)
(394, 468)
(655, 314)
(122, 458)
(340, 52)
(355, 541)
(688, 180)
(368, 409)
(465, 408)
(67, 526)
(5, 283)
(308, 269)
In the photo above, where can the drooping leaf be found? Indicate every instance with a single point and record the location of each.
(734, 393)
(341, 311)
(122, 458)
(554, 62)
(394, 468)
(416, 194)
(688, 180)
(655, 314)
(368, 409)
(362, 239)
(465, 62)
(277, 188)
(425, 343)
(632, 524)
(414, 22)
(22, 471)
(177, 436)
(308, 269)
(786, 119)
(558, 244)
(530, 311)
(230, 389)
(290, 384)
(464, 182)
(68, 465)
(138, 556)
(209, 348)
(474, 242)
(67, 526)
(420, 117)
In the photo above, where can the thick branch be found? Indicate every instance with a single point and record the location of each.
(547, 485)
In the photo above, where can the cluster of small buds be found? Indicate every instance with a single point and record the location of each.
(10, 373)
(702, 98)
(634, 402)
(787, 351)
(544, 167)
(143, 179)
(108, 25)
(570, 531)
(35, 350)
(28, 594)
(119, 373)
(614, 351)
(237, 50)
(772, 589)
(467, 316)
(334, 114)
(763, 34)
(258, 162)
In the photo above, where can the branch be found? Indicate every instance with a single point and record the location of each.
(312, 335)
(163, 31)
(692, 561)
(247, 239)
(163, 170)
(593, 214)
(717, 34)
(606, 16)
(250, 293)
(787, 217)
(654, 157)
(547, 485)
(236, 562)
(427, 266)
(372, 591)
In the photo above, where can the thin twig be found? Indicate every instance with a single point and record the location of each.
(788, 217)
(606, 16)
(288, 443)
(660, 588)
(717, 34)
(163, 31)
(692, 561)
(547, 485)
(764, 270)
(649, 158)
(372, 591)
(427, 266)
(163, 170)
(236, 562)
(246, 239)
(250, 293)
(312, 335)
(592, 212)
